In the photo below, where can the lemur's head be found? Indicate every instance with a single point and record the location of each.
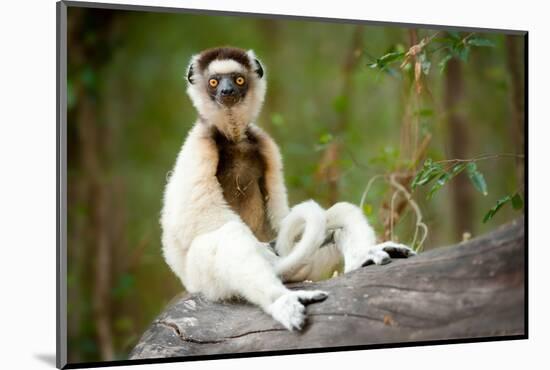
(227, 87)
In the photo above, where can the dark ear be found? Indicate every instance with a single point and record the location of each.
(259, 70)
(190, 74)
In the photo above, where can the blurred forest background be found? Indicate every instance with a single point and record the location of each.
(413, 110)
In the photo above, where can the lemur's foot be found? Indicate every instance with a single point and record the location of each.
(382, 253)
(396, 250)
(379, 254)
(290, 310)
(376, 257)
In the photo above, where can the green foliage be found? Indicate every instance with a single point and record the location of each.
(515, 199)
(432, 170)
(429, 171)
(385, 60)
(367, 209)
(456, 46)
(477, 41)
(425, 63)
(424, 113)
(443, 63)
(445, 177)
(476, 178)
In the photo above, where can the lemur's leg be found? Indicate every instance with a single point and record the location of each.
(229, 262)
(356, 240)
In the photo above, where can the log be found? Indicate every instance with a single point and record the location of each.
(474, 289)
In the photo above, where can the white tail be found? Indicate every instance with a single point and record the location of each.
(308, 220)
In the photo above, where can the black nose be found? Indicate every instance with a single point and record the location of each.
(228, 91)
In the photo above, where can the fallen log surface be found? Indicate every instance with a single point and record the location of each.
(470, 290)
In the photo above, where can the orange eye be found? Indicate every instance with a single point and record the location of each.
(239, 80)
(213, 82)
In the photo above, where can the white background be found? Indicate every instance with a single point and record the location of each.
(27, 182)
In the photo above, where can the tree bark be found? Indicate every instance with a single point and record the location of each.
(329, 167)
(517, 97)
(92, 148)
(471, 290)
(458, 147)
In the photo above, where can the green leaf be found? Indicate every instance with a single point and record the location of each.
(424, 112)
(463, 52)
(454, 35)
(445, 178)
(367, 209)
(480, 42)
(428, 172)
(517, 202)
(444, 40)
(425, 63)
(386, 59)
(476, 178)
(325, 138)
(489, 215)
(391, 57)
(443, 63)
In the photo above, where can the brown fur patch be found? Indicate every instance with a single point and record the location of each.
(236, 54)
(241, 174)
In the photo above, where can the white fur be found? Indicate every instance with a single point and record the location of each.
(225, 66)
(214, 252)
(307, 221)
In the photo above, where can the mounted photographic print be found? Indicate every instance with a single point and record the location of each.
(234, 184)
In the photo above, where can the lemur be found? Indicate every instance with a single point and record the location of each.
(226, 199)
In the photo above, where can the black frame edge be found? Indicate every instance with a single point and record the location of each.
(61, 165)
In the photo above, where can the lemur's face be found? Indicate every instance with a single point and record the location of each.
(228, 88)
(226, 76)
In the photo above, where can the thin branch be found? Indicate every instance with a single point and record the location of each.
(416, 208)
(392, 212)
(482, 157)
(367, 188)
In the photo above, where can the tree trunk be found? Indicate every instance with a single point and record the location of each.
(92, 148)
(471, 290)
(458, 147)
(517, 97)
(329, 167)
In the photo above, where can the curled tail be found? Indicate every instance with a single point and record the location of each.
(306, 221)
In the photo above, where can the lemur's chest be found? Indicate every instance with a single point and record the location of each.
(241, 174)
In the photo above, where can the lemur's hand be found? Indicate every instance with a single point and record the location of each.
(289, 309)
